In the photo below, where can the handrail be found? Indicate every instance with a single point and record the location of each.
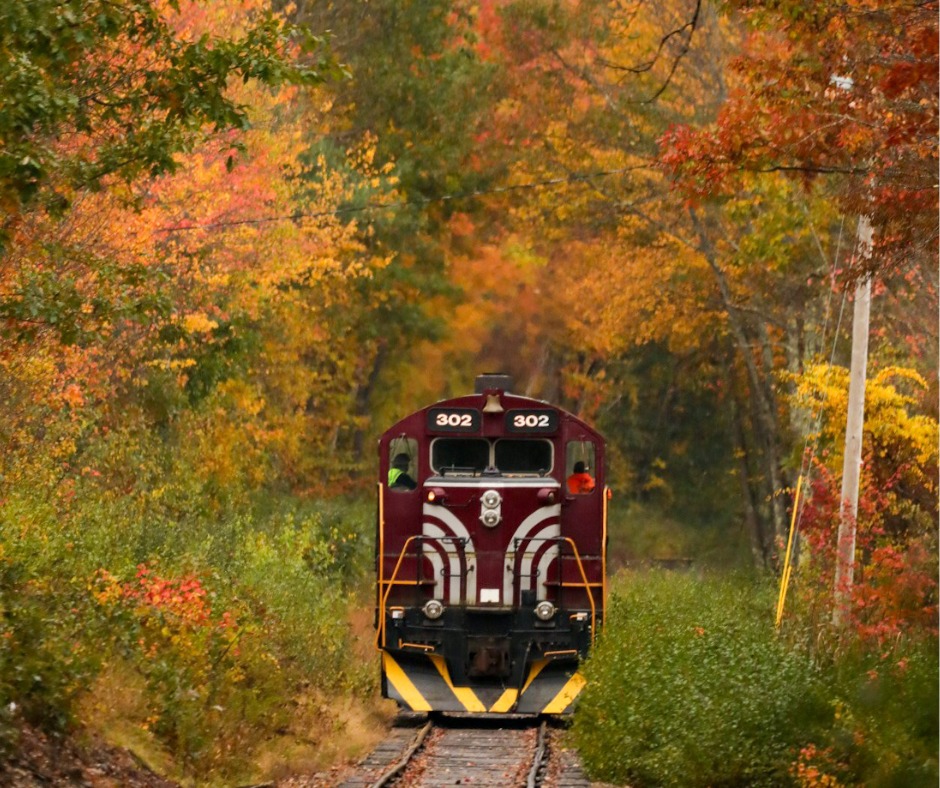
(390, 583)
(606, 505)
(380, 630)
(587, 587)
(380, 550)
(584, 581)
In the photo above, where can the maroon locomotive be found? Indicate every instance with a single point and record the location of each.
(491, 552)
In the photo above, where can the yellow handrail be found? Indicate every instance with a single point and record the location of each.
(380, 631)
(587, 586)
(604, 548)
(380, 550)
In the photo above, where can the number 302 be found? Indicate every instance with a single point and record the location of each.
(454, 420)
(531, 420)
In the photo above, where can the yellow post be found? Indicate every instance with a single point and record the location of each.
(607, 495)
(787, 566)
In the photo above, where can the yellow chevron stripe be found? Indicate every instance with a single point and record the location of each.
(406, 688)
(533, 672)
(506, 700)
(567, 695)
(464, 694)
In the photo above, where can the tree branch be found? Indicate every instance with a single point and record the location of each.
(689, 27)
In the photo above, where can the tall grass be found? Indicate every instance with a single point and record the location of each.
(690, 686)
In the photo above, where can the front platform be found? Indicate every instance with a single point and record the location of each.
(422, 683)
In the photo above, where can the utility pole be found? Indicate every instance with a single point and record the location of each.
(855, 420)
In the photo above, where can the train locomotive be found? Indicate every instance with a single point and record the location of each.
(490, 554)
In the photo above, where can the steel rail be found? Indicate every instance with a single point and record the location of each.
(398, 768)
(541, 751)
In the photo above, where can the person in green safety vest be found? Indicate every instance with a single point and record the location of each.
(398, 478)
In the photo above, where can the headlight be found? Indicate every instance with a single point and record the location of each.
(544, 610)
(490, 518)
(433, 609)
(491, 499)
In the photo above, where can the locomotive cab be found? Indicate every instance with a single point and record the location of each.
(490, 560)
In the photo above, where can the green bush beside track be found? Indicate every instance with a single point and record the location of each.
(691, 686)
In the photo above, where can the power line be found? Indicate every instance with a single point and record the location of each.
(384, 206)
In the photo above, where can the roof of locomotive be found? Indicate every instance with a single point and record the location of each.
(478, 401)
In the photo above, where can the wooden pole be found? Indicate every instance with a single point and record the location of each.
(855, 420)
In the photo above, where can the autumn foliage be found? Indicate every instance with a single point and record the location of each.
(840, 92)
(173, 342)
(233, 248)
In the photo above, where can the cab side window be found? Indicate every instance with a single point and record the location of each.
(580, 467)
(402, 464)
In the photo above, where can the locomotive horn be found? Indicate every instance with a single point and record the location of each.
(492, 380)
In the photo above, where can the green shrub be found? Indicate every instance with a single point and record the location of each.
(258, 619)
(689, 686)
(884, 729)
(268, 597)
(47, 652)
(287, 577)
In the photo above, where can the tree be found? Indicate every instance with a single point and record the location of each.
(895, 593)
(638, 268)
(92, 90)
(845, 91)
(100, 93)
(192, 302)
(738, 262)
(422, 93)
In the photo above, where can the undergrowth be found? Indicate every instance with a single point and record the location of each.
(226, 612)
(691, 686)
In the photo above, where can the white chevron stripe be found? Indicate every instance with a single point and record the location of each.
(432, 551)
(533, 525)
(553, 552)
(458, 529)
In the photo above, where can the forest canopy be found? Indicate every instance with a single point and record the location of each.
(239, 239)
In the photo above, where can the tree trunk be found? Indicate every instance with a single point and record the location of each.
(765, 423)
(760, 547)
(364, 398)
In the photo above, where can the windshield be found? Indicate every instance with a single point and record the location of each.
(473, 456)
(460, 455)
(522, 456)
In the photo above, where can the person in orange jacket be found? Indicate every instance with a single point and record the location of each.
(580, 481)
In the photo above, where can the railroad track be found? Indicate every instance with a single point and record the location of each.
(473, 753)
